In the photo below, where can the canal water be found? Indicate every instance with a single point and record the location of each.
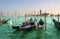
(51, 32)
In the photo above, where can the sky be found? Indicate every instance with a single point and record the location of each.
(28, 6)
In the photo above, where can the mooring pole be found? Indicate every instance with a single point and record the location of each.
(15, 16)
(58, 17)
(51, 18)
(25, 16)
(7, 14)
(40, 12)
(1, 18)
(18, 18)
(35, 19)
(45, 20)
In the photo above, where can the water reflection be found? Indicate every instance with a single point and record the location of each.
(25, 34)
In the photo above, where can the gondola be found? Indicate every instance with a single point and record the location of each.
(40, 23)
(30, 26)
(24, 25)
(23, 28)
(4, 21)
(57, 24)
(15, 27)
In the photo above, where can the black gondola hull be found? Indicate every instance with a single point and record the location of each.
(57, 24)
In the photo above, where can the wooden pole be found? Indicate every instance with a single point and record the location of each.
(40, 12)
(15, 16)
(7, 14)
(35, 20)
(18, 18)
(34, 14)
(51, 18)
(25, 16)
(45, 26)
(45, 20)
(1, 18)
(58, 17)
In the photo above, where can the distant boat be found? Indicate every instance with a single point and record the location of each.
(57, 24)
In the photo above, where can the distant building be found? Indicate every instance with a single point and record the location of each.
(44, 14)
(57, 15)
(52, 15)
(41, 14)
